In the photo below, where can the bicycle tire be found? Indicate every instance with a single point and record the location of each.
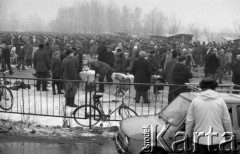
(127, 111)
(83, 119)
(6, 98)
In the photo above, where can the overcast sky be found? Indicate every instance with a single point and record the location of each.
(218, 15)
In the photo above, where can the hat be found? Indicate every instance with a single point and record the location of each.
(142, 54)
(208, 83)
(68, 52)
(174, 53)
(181, 58)
(152, 52)
(56, 53)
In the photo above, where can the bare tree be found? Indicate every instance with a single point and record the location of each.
(173, 25)
(195, 30)
(237, 28)
(136, 18)
(207, 33)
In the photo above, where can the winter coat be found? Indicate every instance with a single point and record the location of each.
(110, 59)
(153, 63)
(236, 72)
(222, 61)
(29, 52)
(208, 110)
(56, 67)
(102, 53)
(180, 74)
(69, 68)
(41, 61)
(120, 63)
(6, 54)
(168, 69)
(141, 70)
(211, 63)
(99, 67)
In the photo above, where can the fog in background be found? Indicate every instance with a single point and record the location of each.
(136, 17)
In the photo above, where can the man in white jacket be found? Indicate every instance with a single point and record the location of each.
(208, 115)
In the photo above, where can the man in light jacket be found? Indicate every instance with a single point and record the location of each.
(208, 113)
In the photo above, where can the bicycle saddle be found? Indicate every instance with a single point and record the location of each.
(97, 96)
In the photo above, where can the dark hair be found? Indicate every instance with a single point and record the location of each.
(41, 46)
(208, 83)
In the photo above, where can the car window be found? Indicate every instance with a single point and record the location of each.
(230, 112)
(238, 115)
(176, 111)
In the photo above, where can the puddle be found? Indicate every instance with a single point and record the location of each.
(47, 148)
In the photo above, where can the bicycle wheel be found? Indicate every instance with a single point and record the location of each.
(126, 112)
(84, 113)
(6, 98)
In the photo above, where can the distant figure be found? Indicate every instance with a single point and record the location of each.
(42, 66)
(141, 70)
(69, 73)
(236, 75)
(179, 76)
(103, 70)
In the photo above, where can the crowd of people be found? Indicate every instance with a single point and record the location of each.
(61, 55)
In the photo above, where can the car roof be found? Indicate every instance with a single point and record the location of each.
(227, 97)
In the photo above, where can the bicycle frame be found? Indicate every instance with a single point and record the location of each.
(97, 103)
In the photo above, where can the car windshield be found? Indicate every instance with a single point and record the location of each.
(176, 111)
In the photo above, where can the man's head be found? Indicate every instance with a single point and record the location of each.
(208, 83)
(182, 59)
(41, 45)
(238, 57)
(69, 52)
(142, 54)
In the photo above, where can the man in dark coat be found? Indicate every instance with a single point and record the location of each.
(211, 64)
(236, 75)
(6, 57)
(103, 69)
(154, 68)
(42, 66)
(102, 52)
(110, 57)
(169, 65)
(56, 69)
(179, 76)
(141, 70)
(69, 73)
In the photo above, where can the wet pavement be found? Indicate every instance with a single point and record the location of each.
(58, 148)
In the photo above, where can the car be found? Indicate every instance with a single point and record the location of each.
(157, 133)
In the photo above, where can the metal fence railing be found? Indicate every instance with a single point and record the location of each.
(29, 101)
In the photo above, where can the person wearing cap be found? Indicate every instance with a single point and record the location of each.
(169, 66)
(211, 63)
(208, 111)
(120, 61)
(41, 63)
(56, 70)
(29, 53)
(154, 68)
(141, 71)
(222, 65)
(180, 75)
(110, 57)
(236, 75)
(6, 57)
(69, 72)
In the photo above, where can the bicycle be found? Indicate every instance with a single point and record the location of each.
(6, 96)
(84, 113)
